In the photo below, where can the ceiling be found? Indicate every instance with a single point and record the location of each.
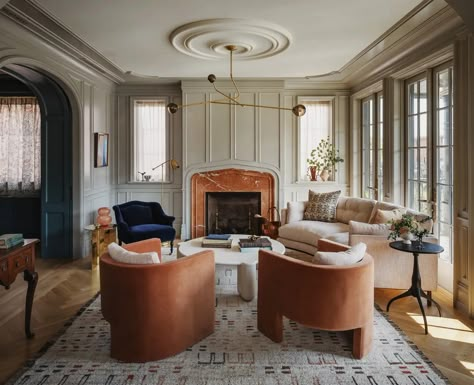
(277, 39)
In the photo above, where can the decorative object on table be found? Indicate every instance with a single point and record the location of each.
(247, 245)
(408, 228)
(415, 290)
(101, 150)
(224, 237)
(323, 158)
(10, 240)
(103, 218)
(142, 174)
(269, 226)
(147, 178)
(298, 110)
(137, 220)
(174, 165)
(213, 242)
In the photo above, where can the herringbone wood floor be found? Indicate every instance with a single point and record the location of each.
(64, 286)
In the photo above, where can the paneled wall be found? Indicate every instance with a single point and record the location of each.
(464, 173)
(92, 103)
(217, 136)
(168, 194)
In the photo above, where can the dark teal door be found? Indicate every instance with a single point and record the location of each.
(56, 162)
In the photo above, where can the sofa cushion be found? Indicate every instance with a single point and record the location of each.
(321, 206)
(384, 216)
(137, 215)
(295, 211)
(383, 206)
(362, 228)
(311, 231)
(347, 257)
(356, 209)
(119, 254)
(339, 237)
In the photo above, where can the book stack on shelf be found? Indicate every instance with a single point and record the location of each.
(10, 240)
(217, 240)
(247, 245)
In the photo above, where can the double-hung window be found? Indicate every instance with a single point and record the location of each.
(315, 125)
(150, 139)
(372, 146)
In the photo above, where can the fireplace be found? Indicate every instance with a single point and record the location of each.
(229, 180)
(232, 212)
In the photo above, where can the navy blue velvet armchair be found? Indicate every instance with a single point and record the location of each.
(138, 220)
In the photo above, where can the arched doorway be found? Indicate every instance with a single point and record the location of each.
(56, 161)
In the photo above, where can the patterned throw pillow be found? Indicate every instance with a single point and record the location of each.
(321, 206)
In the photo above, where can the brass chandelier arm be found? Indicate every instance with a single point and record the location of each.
(298, 110)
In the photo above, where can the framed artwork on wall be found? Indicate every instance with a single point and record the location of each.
(101, 150)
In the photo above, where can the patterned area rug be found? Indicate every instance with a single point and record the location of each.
(236, 354)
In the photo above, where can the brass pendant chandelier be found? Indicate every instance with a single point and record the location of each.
(298, 110)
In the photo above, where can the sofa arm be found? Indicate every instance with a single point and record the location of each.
(283, 216)
(327, 245)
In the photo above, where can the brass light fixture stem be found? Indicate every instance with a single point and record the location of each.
(298, 110)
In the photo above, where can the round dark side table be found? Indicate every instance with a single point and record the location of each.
(416, 248)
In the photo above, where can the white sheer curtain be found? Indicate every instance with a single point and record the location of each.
(20, 145)
(314, 125)
(151, 139)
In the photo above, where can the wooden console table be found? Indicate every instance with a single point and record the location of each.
(21, 259)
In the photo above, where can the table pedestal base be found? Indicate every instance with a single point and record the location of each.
(416, 291)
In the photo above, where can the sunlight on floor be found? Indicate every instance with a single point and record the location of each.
(446, 328)
(469, 366)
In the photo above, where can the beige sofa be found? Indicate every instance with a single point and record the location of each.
(393, 269)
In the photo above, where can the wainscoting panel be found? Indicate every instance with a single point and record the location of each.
(269, 123)
(245, 129)
(195, 138)
(219, 130)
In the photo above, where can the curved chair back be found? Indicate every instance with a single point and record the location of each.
(156, 311)
(319, 296)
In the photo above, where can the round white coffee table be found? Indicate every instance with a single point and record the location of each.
(246, 262)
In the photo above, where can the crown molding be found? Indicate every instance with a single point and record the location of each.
(30, 15)
(432, 37)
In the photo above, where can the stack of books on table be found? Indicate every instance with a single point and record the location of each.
(248, 245)
(10, 240)
(217, 240)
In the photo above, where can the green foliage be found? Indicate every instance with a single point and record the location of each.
(407, 224)
(324, 156)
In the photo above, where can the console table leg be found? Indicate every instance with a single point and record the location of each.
(32, 279)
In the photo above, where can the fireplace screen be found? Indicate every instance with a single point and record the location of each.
(232, 212)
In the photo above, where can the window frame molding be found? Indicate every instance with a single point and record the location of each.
(169, 145)
(332, 131)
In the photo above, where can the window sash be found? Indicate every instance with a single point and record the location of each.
(150, 139)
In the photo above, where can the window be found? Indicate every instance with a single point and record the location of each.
(151, 138)
(430, 150)
(315, 125)
(20, 145)
(372, 147)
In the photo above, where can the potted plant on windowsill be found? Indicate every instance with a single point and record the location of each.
(324, 159)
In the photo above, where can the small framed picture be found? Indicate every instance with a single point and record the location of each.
(101, 150)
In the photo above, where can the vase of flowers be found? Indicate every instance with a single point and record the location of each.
(323, 158)
(408, 228)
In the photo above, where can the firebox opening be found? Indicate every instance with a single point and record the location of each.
(232, 212)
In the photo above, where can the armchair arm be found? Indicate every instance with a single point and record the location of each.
(159, 215)
(327, 245)
(283, 216)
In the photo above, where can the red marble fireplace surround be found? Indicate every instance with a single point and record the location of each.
(227, 180)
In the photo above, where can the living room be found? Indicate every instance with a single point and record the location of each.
(350, 73)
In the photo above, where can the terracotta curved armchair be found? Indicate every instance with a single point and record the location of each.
(156, 311)
(323, 297)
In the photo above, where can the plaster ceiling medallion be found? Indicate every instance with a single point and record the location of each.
(252, 39)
